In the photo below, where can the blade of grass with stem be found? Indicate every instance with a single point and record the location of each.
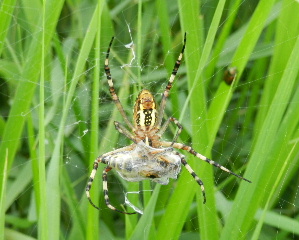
(224, 93)
(258, 227)
(252, 34)
(42, 206)
(240, 59)
(197, 105)
(3, 196)
(282, 50)
(233, 10)
(53, 188)
(93, 215)
(260, 165)
(26, 86)
(24, 177)
(69, 196)
(143, 230)
(164, 24)
(283, 149)
(6, 13)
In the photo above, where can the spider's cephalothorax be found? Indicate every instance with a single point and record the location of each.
(148, 157)
(145, 111)
(145, 118)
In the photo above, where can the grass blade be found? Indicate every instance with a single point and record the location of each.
(6, 13)
(258, 168)
(43, 204)
(26, 88)
(53, 170)
(3, 197)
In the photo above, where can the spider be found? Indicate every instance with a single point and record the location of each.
(148, 157)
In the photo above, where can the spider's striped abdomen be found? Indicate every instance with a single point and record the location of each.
(145, 110)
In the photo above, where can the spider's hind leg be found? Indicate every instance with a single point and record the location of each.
(198, 155)
(90, 180)
(105, 184)
(193, 174)
(105, 189)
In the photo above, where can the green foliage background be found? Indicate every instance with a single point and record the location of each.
(57, 116)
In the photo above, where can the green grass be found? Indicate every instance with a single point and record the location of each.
(57, 117)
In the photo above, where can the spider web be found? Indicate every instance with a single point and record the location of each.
(233, 145)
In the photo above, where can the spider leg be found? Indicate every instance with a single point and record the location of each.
(112, 89)
(105, 189)
(193, 174)
(198, 155)
(165, 126)
(121, 128)
(89, 183)
(169, 85)
(101, 159)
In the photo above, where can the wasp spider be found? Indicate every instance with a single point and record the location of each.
(148, 157)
